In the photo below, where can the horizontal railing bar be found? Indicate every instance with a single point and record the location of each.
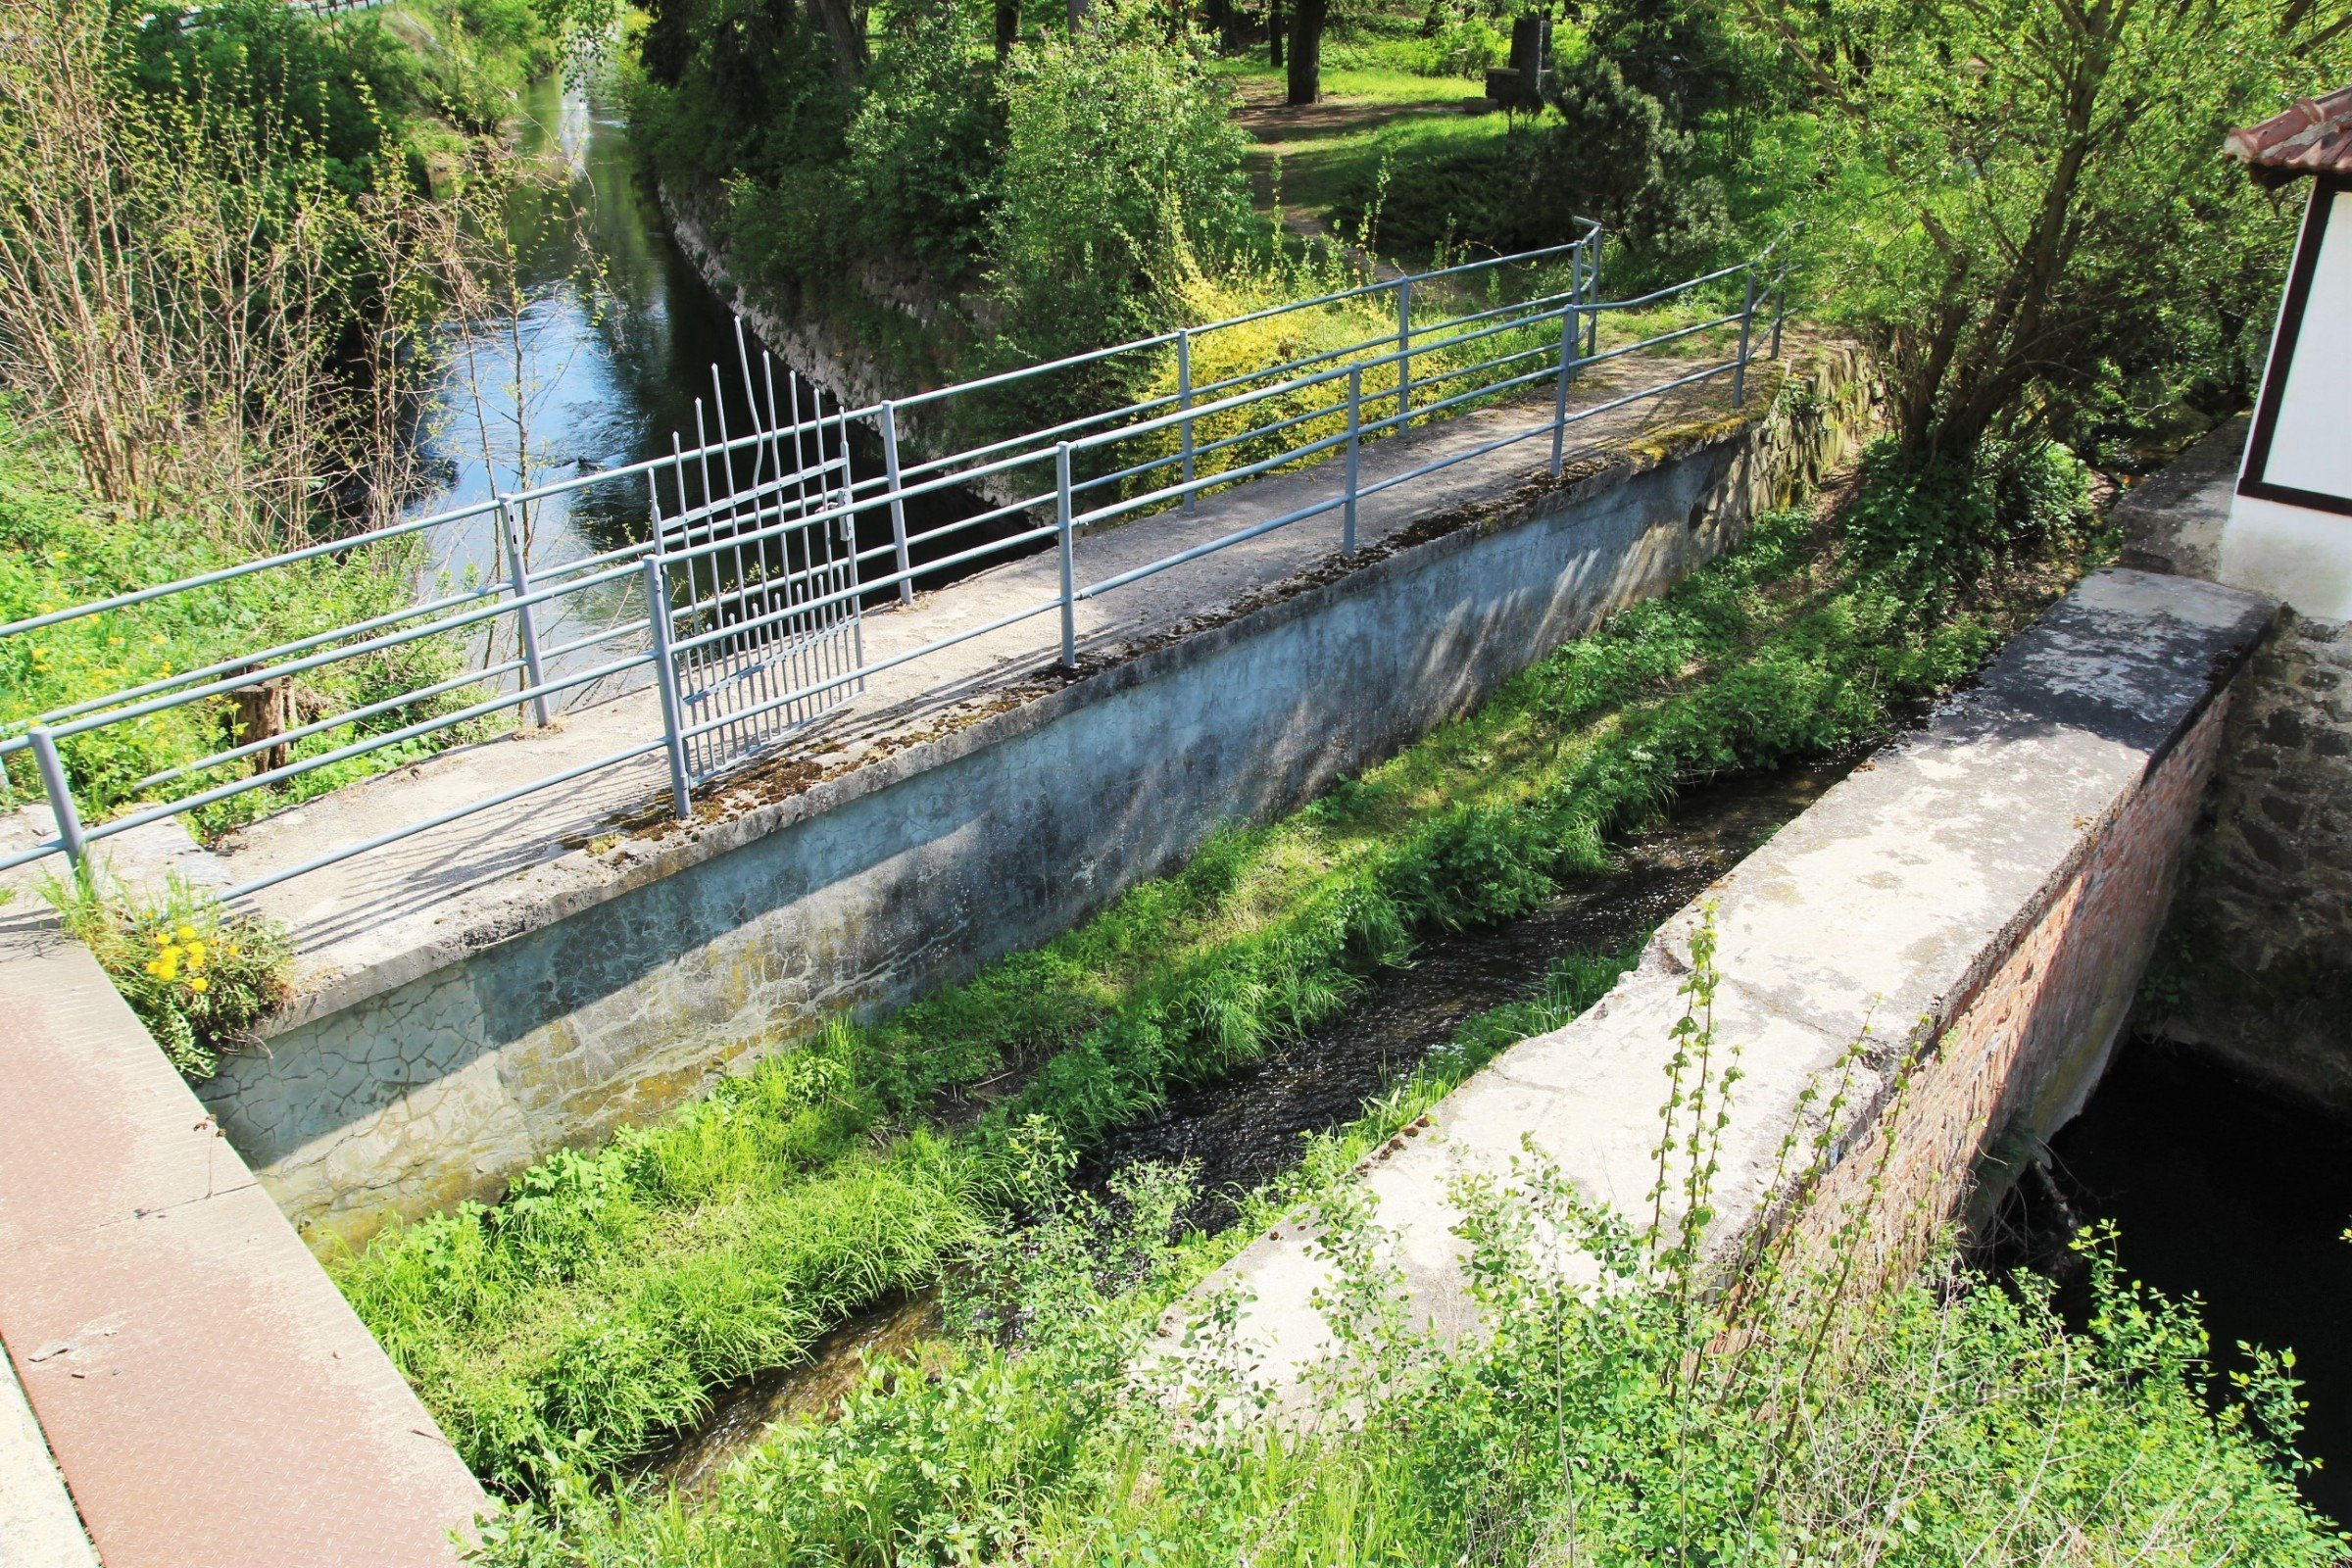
(876, 668)
(319, 726)
(471, 617)
(208, 579)
(245, 889)
(247, 661)
(26, 857)
(344, 753)
(863, 586)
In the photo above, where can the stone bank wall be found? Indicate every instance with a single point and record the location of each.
(870, 889)
(2257, 968)
(1956, 931)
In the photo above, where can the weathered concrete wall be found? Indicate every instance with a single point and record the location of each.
(2257, 967)
(207, 1394)
(870, 889)
(1961, 924)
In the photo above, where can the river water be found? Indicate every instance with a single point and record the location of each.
(2222, 1192)
(601, 365)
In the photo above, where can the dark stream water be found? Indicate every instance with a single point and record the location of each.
(2222, 1192)
(1250, 1126)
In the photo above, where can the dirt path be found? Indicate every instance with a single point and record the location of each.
(1321, 146)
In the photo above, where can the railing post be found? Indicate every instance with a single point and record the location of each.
(61, 795)
(665, 673)
(1747, 319)
(1069, 563)
(526, 618)
(1355, 442)
(1184, 406)
(1592, 294)
(1404, 352)
(1780, 309)
(898, 503)
(1572, 334)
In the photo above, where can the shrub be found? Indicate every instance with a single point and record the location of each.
(1122, 174)
(199, 977)
(927, 140)
(1945, 522)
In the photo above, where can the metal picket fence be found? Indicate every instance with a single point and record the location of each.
(755, 587)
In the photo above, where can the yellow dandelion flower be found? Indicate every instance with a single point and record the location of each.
(200, 985)
(168, 966)
(195, 953)
(186, 933)
(155, 967)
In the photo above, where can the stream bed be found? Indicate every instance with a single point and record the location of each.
(1250, 1126)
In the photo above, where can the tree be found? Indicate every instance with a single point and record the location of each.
(1305, 78)
(2021, 206)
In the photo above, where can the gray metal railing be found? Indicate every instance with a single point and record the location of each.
(1157, 453)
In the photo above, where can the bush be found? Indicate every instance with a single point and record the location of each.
(198, 977)
(1122, 176)
(927, 140)
(1946, 523)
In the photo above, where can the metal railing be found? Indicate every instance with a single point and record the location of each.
(719, 575)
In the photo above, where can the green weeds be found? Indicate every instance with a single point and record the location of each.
(198, 977)
(1612, 1410)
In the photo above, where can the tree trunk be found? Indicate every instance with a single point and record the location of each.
(1077, 15)
(1306, 50)
(1274, 25)
(1009, 25)
(846, 33)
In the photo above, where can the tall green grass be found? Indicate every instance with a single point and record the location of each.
(566, 1329)
(1614, 1410)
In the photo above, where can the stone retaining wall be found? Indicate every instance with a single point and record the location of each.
(871, 889)
(2257, 969)
(1960, 925)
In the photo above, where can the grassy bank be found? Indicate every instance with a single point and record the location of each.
(1611, 1414)
(565, 1330)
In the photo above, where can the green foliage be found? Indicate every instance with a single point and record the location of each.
(1122, 175)
(198, 977)
(1611, 1408)
(547, 1358)
(58, 546)
(1946, 523)
(2049, 239)
(927, 142)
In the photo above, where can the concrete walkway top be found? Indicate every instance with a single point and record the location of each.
(369, 924)
(208, 1396)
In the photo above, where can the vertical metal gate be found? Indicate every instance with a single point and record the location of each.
(758, 553)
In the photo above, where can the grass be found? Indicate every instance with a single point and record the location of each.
(1612, 1412)
(563, 1332)
(1308, 158)
(58, 546)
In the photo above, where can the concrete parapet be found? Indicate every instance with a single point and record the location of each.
(1972, 909)
(208, 1395)
(907, 871)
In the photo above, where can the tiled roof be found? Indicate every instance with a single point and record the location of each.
(2315, 137)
